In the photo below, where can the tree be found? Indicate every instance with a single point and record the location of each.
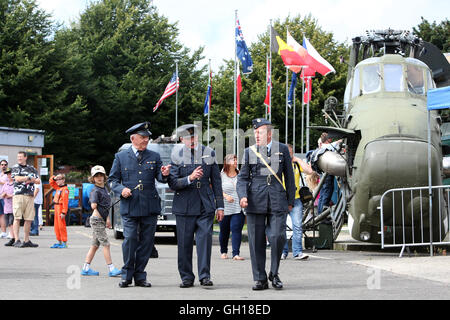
(130, 52)
(437, 34)
(32, 90)
(24, 82)
(254, 85)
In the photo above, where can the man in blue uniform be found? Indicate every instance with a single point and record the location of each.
(133, 175)
(267, 200)
(195, 178)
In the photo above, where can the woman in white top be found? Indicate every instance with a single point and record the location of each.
(234, 218)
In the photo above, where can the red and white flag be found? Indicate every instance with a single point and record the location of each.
(316, 61)
(238, 94)
(171, 88)
(268, 85)
(307, 94)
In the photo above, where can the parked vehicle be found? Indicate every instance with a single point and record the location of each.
(166, 220)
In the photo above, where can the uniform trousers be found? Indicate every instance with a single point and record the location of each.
(258, 226)
(139, 234)
(202, 227)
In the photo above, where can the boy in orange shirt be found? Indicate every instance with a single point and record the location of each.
(61, 201)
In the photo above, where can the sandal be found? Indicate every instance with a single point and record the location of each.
(224, 256)
(237, 257)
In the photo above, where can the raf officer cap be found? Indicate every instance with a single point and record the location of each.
(141, 129)
(187, 130)
(256, 123)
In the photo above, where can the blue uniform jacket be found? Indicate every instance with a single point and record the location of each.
(256, 183)
(206, 191)
(126, 172)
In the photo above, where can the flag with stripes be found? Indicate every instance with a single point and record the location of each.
(268, 86)
(238, 95)
(171, 88)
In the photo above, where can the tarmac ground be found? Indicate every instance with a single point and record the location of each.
(54, 274)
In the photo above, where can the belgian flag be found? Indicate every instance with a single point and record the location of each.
(289, 56)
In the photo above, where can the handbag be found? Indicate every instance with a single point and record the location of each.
(304, 192)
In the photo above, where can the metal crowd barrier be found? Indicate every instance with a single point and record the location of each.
(413, 219)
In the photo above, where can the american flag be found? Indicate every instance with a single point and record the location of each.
(171, 88)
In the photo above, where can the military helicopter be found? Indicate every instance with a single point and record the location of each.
(383, 125)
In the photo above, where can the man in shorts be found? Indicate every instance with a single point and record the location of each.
(24, 176)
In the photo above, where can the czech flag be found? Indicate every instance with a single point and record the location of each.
(317, 62)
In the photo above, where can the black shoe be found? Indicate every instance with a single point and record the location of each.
(276, 282)
(17, 244)
(154, 253)
(29, 244)
(187, 284)
(206, 282)
(10, 243)
(124, 283)
(261, 285)
(142, 283)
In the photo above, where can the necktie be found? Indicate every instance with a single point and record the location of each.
(139, 155)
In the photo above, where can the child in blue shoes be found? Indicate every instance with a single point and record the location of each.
(100, 203)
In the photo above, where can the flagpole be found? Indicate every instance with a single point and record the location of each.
(307, 115)
(270, 71)
(210, 96)
(267, 85)
(176, 99)
(234, 76)
(287, 75)
(293, 126)
(303, 111)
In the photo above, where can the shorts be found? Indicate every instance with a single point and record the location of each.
(99, 236)
(23, 207)
(9, 219)
(2, 203)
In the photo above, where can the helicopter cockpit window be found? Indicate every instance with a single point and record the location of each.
(355, 88)
(415, 80)
(371, 79)
(393, 77)
(430, 82)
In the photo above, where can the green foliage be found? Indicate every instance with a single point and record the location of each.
(128, 51)
(87, 83)
(254, 85)
(437, 34)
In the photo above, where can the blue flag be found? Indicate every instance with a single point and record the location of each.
(242, 51)
(207, 101)
(291, 89)
(207, 105)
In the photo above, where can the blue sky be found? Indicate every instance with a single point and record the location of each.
(210, 23)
